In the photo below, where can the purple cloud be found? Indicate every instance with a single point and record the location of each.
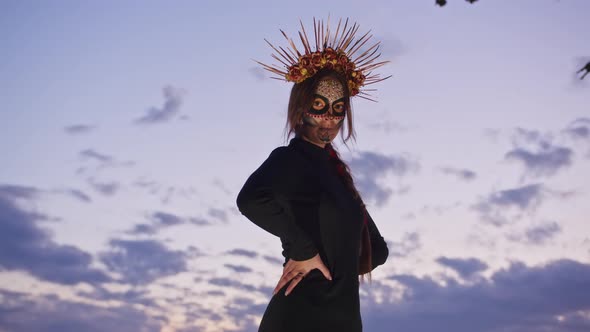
(369, 168)
(520, 298)
(465, 267)
(173, 99)
(24, 246)
(79, 129)
(143, 261)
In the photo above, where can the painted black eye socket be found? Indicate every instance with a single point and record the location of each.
(318, 104)
(339, 108)
(321, 106)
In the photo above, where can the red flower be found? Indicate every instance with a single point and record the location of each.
(309, 64)
(295, 74)
(343, 59)
(330, 54)
(316, 59)
(304, 60)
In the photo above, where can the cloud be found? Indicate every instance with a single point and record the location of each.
(391, 47)
(173, 100)
(537, 235)
(523, 197)
(142, 261)
(538, 154)
(12, 192)
(160, 220)
(166, 219)
(461, 174)
(543, 163)
(79, 129)
(520, 298)
(241, 311)
(218, 214)
(369, 169)
(78, 194)
(228, 282)
(91, 154)
(199, 221)
(105, 188)
(465, 267)
(491, 134)
(48, 313)
(578, 129)
(238, 268)
(258, 73)
(274, 260)
(433, 209)
(495, 208)
(104, 160)
(408, 244)
(135, 296)
(215, 292)
(165, 192)
(530, 136)
(221, 186)
(242, 252)
(24, 246)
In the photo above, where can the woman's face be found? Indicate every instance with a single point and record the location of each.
(323, 120)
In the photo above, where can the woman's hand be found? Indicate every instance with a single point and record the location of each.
(294, 271)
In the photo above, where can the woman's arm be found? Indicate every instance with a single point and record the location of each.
(263, 200)
(379, 250)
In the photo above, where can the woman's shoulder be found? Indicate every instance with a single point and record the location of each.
(285, 154)
(288, 160)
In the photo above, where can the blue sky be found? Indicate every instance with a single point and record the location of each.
(128, 129)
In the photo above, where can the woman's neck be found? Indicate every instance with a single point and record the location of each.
(321, 145)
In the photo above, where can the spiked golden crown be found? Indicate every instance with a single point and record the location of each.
(333, 51)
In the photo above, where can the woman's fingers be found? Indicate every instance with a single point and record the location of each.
(294, 283)
(294, 271)
(280, 285)
(325, 271)
(285, 278)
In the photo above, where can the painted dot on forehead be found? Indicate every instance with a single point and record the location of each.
(331, 89)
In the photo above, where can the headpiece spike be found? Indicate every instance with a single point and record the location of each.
(333, 51)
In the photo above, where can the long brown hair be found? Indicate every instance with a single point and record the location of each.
(302, 95)
(365, 260)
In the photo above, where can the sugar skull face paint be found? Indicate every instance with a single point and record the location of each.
(328, 100)
(325, 117)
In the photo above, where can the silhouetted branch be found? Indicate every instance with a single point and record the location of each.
(585, 68)
(441, 3)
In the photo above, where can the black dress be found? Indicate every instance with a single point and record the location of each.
(297, 195)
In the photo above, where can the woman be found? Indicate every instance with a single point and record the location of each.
(304, 194)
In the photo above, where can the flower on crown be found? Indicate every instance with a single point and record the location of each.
(335, 52)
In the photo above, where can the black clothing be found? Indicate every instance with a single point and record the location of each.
(297, 195)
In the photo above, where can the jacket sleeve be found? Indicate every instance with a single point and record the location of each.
(379, 250)
(264, 200)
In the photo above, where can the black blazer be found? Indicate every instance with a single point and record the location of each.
(296, 195)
